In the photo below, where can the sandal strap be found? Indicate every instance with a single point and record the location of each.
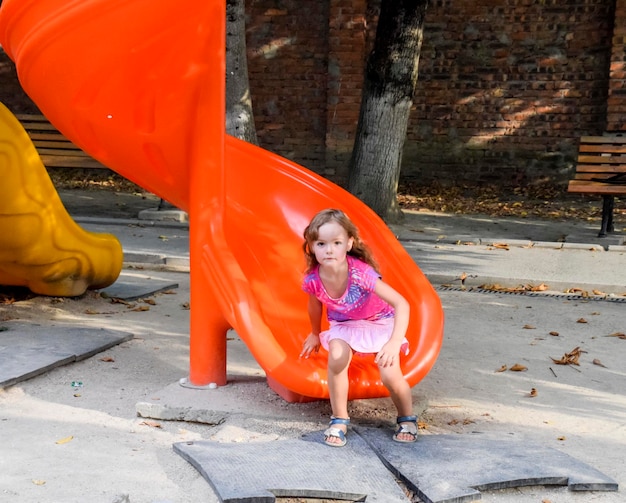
(339, 420)
(406, 419)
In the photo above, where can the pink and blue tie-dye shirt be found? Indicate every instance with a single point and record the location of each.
(358, 302)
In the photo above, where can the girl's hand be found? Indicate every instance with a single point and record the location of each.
(311, 344)
(388, 355)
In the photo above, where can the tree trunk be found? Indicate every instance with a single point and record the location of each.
(390, 80)
(239, 116)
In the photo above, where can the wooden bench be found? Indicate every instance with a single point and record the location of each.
(601, 169)
(55, 150)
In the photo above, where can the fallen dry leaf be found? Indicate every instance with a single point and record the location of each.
(560, 438)
(38, 482)
(579, 291)
(152, 424)
(502, 369)
(570, 358)
(65, 440)
(598, 363)
(533, 392)
(581, 320)
(501, 246)
(107, 359)
(619, 335)
(141, 308)
(554, 333)
(539, 288)
(116, 300)
(152, 302)
(518, 367)
(529, 327)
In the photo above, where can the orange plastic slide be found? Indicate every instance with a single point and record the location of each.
(139, 84)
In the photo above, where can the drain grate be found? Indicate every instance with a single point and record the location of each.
(569, 296)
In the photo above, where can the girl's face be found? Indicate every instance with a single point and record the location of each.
(332, 245)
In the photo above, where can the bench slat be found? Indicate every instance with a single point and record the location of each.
(599, 168)
(70, 161)
(605, 140)
(586, 187)
(602, 161)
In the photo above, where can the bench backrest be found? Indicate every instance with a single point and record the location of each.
(55, 150)
(600, 158)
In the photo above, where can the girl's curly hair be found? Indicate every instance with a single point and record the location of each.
(359, 249)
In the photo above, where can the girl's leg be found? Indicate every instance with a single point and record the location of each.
(339, 357)
(400, 393)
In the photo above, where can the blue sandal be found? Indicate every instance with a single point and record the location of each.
(410, 429)
(336, 432)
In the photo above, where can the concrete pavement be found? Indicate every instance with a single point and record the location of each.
(578, 411)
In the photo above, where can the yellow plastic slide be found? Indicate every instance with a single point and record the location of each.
(41, 247)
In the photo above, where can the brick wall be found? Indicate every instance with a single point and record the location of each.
(616, 104)
(506, 87)
(288, 64)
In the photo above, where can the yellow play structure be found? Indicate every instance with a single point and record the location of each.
(41, 247)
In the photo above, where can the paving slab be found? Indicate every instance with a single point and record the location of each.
(131, 287)
(299, 468)
(455, 468)
(28, 350)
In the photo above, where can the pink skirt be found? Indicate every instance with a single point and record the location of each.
(363, 336)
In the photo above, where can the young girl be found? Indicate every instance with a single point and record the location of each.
(365, 314)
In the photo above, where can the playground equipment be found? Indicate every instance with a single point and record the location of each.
(41, 247)
(140, 85)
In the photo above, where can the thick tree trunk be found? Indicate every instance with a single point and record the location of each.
(239, 116)
(390, 80)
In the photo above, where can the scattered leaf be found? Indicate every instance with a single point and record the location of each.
(116, 300)
(163, 238)
(619, 335)
(554, 333)
(152, 302)
(533, 392)
(518, 367)
(561, 438)
(581, 320)
(38, 482)
(185, 305)
(502, 369)
(152, 424)
(65, 440)
(107, 359)
(529, 327)
(570, 358)
(141, 308)
(501, 246)
(598, 363)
